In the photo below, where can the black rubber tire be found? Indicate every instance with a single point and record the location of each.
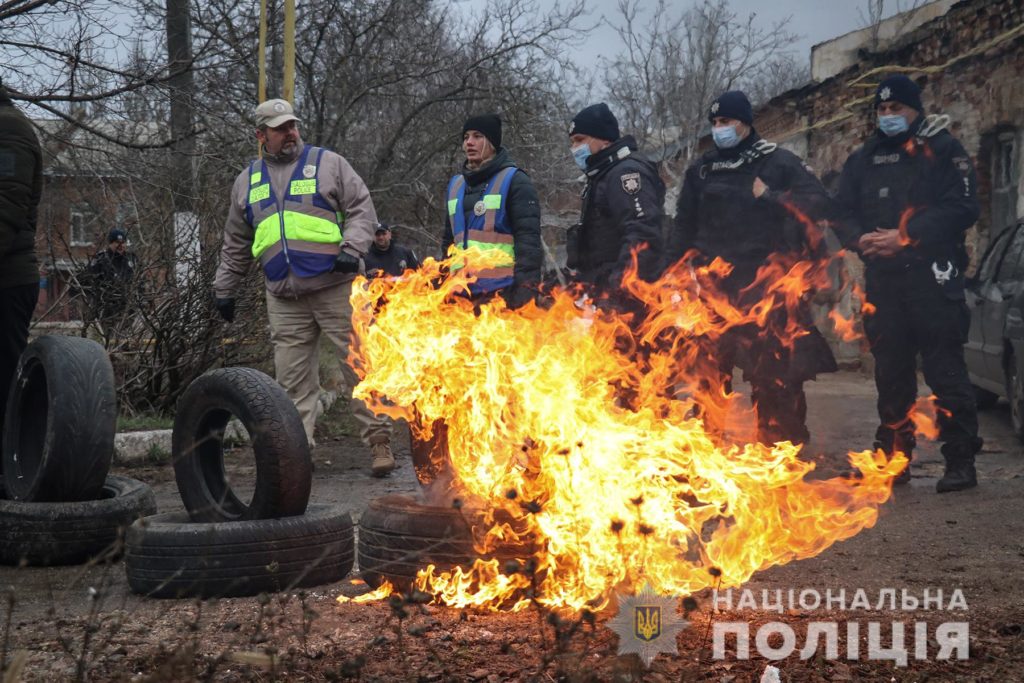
(284, 468)
(398, 536)
(75, 532)
(60, 422)
(1015, 394)
(168, 556)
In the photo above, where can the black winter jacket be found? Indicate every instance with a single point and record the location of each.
(930, 174)
(718, 215)
(21, 183)
(394, 260)
(522, 213)
(623, 207)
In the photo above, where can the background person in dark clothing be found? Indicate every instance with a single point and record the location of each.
(622, 203)
(384, 257)
(110, 274)
(905, 199)
(733, 205)
(21, 183)
(492, 204)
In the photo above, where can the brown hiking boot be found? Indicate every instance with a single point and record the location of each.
(383, 459)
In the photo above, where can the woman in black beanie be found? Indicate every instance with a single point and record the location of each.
(493, 205)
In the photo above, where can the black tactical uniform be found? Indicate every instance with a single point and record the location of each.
(394, 260)
(622, 208)
(922, 180)
(717, 215)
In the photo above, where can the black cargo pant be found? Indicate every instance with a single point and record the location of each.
(779, 400)
(914, 314)
(16, 306)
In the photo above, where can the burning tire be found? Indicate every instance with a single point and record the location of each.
(283, 465)
(399, 536)
(60, 421)
(168, 556)
(73, 532)
(429, 454)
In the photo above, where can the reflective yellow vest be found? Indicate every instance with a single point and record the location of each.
(300, 232)
(487, 227)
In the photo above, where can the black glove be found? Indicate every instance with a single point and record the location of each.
(572, 247)
(226, 308)
(517, 296)
(346, 263)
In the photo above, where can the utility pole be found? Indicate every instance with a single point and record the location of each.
(182, 183)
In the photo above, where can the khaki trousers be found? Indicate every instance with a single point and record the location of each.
(295, 329)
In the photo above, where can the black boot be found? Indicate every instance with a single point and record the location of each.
(960, 473)
(903, 478)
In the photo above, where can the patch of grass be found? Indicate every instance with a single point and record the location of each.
(336, 422)
(143, 423)
(156, 455)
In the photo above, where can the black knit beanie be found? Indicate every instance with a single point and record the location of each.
(487, 124)
(597, 121)
(899, 88)
(732, 105)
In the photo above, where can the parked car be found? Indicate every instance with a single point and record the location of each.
(995, 344)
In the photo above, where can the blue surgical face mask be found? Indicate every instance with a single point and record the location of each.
(892, 124)
(725, 137)
(580, 155)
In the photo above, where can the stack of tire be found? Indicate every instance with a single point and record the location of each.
(400, 535)
(58, 504)
(222, 546)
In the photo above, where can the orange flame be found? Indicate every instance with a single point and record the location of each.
(905, 217)
(845, 328)
(381, 592)
(925, 415)
(576, 420)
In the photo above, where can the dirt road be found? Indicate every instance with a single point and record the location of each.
(76, 622)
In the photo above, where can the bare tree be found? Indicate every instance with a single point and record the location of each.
(387, 83)
(674, 65)
(874, 12)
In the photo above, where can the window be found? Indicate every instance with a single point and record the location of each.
(127, 216)
(1005, 179)
(83, 226)
(1009, 268)
(994, 255)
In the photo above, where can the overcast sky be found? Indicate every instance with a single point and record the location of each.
(815, 21)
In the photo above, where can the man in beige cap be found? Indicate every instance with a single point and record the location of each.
(307, 217)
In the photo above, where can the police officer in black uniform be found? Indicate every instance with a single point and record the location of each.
(741, 202)
(385, 257)
(905, 198)
(622, 204)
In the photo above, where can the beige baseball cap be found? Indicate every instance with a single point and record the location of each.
(273, 113)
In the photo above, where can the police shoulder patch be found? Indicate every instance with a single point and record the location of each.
(630, 182)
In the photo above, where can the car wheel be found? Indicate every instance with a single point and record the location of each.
(1015, 394)
(60, 422)
(284, 469)
(398, 536)
(984, 398)
(72, 532)
(170, 556)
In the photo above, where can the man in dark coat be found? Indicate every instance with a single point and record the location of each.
(110, 274)
(21, 183)
(905, 200)
(622, 205)
(385, 257)
(477, 218)
(741, 202)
